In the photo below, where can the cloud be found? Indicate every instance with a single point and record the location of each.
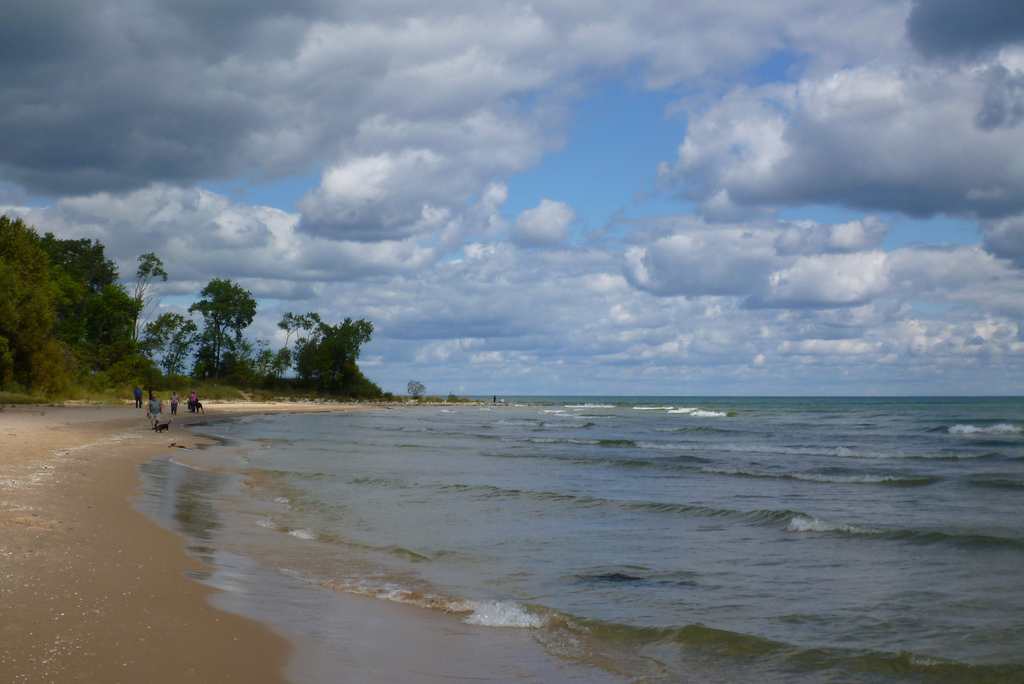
(703, 261)
(875, 138)
(1005, 238)
(200, 234)
(120, 94)
(949, 28)
(546, 224)
(811, 238)
(421, 176)
(827, 280)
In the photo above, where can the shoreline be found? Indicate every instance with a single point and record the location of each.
(91, 589)
(94, 588)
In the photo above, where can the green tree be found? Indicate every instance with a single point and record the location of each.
(416, 389)
(92, 307)
(150, 268)
(27, 310)
(227, 310)
(168, 339)
(326, 357)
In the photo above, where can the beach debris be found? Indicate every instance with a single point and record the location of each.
(175, 445)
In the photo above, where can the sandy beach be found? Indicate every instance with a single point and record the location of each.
(93, 590)
(90, 589)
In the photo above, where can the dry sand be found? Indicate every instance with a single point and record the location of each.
(90, 589)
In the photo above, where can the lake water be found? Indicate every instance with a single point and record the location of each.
(696, 539)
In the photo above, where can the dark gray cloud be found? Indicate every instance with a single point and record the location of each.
(957, 28)
(1005, 238)
(113, 95)
(1003, 104)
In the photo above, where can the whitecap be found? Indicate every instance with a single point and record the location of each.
(698, 413)
(997, 429)
(653, 408)
(804, 523)
(302, 534)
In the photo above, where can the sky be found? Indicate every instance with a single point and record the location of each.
(585, 197)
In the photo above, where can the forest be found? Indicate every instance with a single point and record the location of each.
(70, 326)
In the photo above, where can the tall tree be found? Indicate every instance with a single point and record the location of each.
(92, 307)
(29, 355)
(150, 268)
(327, 357)
(227, 310)
(168, 339)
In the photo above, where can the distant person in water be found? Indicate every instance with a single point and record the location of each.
(137, 392)
(154, 408)
(174, 403)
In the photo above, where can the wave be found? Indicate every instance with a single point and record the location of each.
(636, 574)
(699, 413)
(997, 429)
(792, 662)
(711, 429)
(789, 520)
(866, 478)
(996, 481)
(807, 523)
(846, 452)
(581, 638)
(473, 612)
(576, 441)
(653, 408)
(590, 406)
(673, 462)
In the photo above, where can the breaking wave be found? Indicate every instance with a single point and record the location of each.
(997, 429)
(865, 478)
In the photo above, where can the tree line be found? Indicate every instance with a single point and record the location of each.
(66, 320)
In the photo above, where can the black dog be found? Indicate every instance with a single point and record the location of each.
(161, 427)
(198, 407)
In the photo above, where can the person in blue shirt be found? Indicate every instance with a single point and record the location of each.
(138, 396)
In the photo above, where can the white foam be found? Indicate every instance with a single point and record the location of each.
(998, 429)
(589, 406)
(484, 613)
(282, 500)
(653, 408)
(501, 614)
(698, 413)
(804, 523)
(302, 534)
(265, 522)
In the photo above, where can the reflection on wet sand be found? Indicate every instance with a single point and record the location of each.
(179, 497)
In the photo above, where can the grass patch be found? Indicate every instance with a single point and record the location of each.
(19, 398)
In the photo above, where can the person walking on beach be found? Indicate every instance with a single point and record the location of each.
(192, 399)
(174, 403)
(154, 408)
(138, 396)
